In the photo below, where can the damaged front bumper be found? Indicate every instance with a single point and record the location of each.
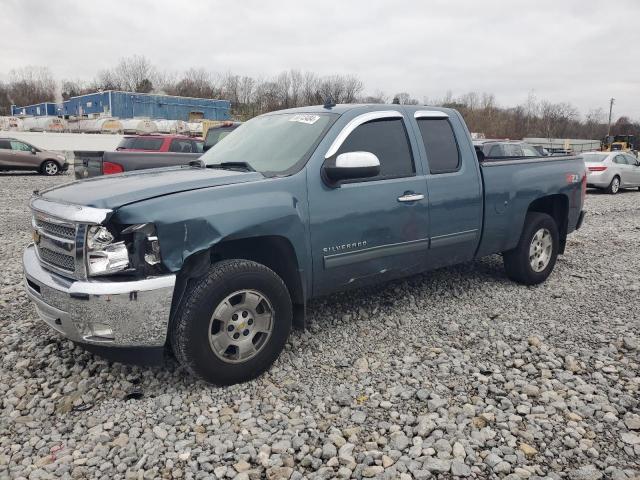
(103, 311)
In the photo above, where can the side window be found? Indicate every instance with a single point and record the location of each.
(180, 146)
(5, 145)
(529, 151)
(496, 151)
(197, 147)
(512, 150)
(21, 147)
(619, 160)
(386, 139)
(440, 144)
(631, 160)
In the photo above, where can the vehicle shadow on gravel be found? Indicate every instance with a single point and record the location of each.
(20, 174)
(465, 278)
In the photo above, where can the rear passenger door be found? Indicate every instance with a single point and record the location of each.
(634, 169)
(624, 170)
(374, 228)
(453, 183)
(6, 154)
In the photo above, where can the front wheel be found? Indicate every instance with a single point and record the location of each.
(50, 168)
(614, 186)
(233, 322)
(533, 259)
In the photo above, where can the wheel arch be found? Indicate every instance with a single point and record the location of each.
(557, 207)
(57, 162)
(274, 251)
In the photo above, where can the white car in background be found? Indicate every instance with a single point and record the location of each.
(612, 171)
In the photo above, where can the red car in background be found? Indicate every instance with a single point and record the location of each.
(160, 143)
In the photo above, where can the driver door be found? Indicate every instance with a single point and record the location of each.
(369, 229)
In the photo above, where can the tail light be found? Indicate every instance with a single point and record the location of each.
(109, 168)
(597, 169)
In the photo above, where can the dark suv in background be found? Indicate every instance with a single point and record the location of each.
(216, 133)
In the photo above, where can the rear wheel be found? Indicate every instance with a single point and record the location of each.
(614, 186)
(533, 259)
(233, 323)
(50, 168)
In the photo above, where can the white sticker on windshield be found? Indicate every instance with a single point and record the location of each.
(305, 118)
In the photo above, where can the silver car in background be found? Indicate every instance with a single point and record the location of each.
(612, 171)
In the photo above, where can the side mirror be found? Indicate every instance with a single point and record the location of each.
(34, 151)
(352, 165)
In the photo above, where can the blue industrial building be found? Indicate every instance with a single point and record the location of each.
(37, 110)
(118, 104)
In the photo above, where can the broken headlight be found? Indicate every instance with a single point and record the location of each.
(104, 255)
(134, 251)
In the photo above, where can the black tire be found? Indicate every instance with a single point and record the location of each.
(190, 329)
(50, 168)
(517, 262)
(612, 189)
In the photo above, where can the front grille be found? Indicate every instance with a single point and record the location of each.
(61, 231)
(60, 260)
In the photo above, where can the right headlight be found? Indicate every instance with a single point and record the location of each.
(104, 256)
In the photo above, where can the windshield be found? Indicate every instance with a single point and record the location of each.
(272, 144)
(594, 157)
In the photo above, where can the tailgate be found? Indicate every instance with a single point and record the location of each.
(87, 164)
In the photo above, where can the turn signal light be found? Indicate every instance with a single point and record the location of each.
(109, 168)
(597, 169)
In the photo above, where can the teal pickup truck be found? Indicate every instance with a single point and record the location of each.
(218, 259)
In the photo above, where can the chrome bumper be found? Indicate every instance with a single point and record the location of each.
(101, 312)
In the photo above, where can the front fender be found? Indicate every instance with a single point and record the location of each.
(196, 220)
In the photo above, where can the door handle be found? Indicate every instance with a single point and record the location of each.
(410, 197)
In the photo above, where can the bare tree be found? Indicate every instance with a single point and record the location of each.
(405, 99)
(132, 74)
(5, 102)
(195, 82)
(31, 85)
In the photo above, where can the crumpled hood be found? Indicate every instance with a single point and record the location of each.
(113, 191)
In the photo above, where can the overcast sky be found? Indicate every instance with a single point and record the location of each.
(578, 51)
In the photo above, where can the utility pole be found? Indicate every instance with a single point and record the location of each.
(610, 110)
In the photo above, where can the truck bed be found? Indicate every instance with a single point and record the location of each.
(90, 164)
(511, 185)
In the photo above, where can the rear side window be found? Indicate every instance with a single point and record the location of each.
(5, 145)
(619, 160)
(197, 147)
(386, 139)
(180, 146)
(529, 151)
(140, 143)
(440, 144)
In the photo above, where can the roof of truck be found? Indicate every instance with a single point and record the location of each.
(346, 107)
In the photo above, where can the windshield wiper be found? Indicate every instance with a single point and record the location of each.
(232, 166)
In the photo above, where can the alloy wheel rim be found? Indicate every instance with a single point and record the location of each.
(540, 250)
(615, 186)
(240, 326)
(51, 168)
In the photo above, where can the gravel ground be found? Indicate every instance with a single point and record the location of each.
(455, 373)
